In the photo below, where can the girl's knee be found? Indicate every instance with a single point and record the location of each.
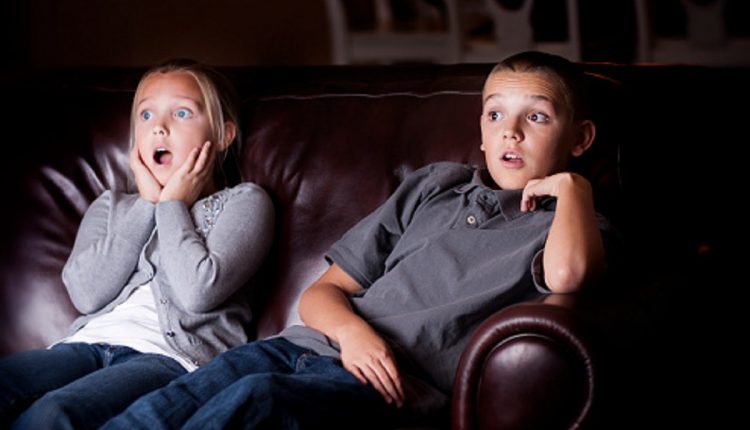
(13, 401)
(50, 412)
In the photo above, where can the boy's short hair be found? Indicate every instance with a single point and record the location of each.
(570, 77)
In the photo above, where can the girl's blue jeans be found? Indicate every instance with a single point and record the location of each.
(77, 385)
(269, 384)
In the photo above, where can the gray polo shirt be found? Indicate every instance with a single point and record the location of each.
(442, 254)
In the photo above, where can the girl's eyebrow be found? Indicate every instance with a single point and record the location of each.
(190, 99)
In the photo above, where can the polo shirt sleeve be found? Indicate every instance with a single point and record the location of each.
(363, 250)
(612, 245)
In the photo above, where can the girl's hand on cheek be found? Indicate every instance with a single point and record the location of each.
(187, 183)
(148, 187)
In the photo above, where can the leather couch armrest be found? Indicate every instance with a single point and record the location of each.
(528, 366)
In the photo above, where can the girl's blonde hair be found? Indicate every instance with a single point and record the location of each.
(220, 100)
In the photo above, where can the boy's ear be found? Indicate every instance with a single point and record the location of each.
(230, 131)
(586, 135)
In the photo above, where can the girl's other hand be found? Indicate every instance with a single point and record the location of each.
(188, 182)
(148, 187)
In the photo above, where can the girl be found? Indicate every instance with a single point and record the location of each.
(156, 274)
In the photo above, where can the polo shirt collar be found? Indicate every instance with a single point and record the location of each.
(508, 200)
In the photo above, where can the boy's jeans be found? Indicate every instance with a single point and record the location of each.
(265, 384)
(77, 385)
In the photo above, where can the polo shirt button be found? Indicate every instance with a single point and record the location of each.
(471, 219)
(170, 333)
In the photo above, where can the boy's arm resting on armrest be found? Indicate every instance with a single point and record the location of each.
(325, 307)
(574, 251)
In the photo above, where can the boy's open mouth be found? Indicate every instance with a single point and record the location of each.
(162, 156)
(512, 157)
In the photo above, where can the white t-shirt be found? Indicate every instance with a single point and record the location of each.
(133, 323)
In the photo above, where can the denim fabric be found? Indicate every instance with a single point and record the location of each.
(266, 384)
(77, 385)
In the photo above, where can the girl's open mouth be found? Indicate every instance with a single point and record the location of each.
(162, 156)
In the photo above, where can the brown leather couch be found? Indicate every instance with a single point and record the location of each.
(330, 144)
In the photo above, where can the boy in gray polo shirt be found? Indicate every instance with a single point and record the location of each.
(386, 324)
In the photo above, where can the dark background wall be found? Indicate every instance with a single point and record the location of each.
(38, 34)
(83, 33)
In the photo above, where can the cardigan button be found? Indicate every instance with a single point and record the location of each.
(471, 220)
(163, 301)
(170, 333)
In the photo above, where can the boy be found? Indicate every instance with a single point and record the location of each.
(387, 322)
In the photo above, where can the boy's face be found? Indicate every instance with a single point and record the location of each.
(170, 121)
(527, 129)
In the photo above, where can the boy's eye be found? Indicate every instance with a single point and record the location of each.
(146, 115)
(495, 116)
(183, 113)
(538, 117)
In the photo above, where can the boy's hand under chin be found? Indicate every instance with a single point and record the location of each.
(188, 182)
(148, 187)
(551, 186)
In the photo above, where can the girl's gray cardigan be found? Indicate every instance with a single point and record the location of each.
(197, 261)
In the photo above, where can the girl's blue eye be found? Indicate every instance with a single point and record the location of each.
(495, 116)
(539, 117)
(146, 115)
(183, 113)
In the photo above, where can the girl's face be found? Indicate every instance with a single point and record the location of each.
(170, 121)
(527, 129)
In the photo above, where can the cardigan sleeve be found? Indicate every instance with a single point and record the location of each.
(112, 233)
(203, 272)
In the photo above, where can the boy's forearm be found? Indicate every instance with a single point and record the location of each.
(326, 308)
(574, 252)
